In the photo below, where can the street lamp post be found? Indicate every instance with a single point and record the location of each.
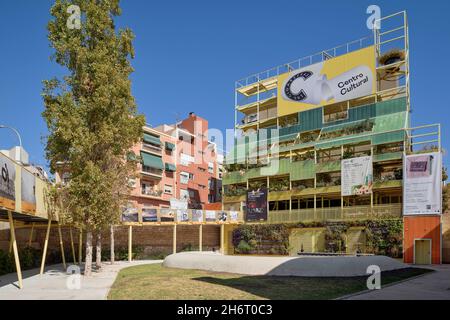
(15, 131)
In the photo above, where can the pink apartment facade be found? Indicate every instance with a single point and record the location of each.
(178, 163)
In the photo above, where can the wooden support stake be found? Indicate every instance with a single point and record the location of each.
(72, 245)
(80, 247)
(44, 253)
(174, 238)
(222, 239)
(61, 245)
(130, 243)
(200, 238)
(16, 252)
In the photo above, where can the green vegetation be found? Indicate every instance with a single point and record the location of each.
(154, 282)
(91, 117)
(384, 236)
(30, 258)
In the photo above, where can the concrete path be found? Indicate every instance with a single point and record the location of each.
(434, 286)
(53, 284)
(348, 266)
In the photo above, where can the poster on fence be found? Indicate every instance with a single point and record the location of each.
(197, 215)
(357, 176)
(130, 214)
(182, 216)
(234, 216)
(210, 216)
(149, 215)
(167, 215)
(28, 191)
(256, 206)
(422, 178)
(7, 183)
(222, 216)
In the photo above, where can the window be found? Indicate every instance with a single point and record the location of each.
(66, 178)
(186, 160)
(132, 183)
(184, 194)
(191, 176)
(150, 189)
(201, 169)
(168, 189)
(211, 167)
(184, 177)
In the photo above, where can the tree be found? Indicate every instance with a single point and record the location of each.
(91, 114)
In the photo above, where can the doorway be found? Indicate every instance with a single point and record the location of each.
(422, 251)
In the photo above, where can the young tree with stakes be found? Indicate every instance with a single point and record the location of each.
(91, 114)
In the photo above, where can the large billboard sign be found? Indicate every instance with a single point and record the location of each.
(335, 80)
(357, 176)
(256, 207)
(422, 178)
(28, 191)
(7, 183)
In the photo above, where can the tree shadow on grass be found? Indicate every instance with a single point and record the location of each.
(307, 288)
(290, 288)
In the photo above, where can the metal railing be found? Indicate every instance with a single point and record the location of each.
(335, 213)
(306, 61)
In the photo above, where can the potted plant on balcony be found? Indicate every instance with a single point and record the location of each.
(392, 57)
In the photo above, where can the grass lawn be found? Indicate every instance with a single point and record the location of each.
(154, 282)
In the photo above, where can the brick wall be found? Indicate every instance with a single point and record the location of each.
(157, 239)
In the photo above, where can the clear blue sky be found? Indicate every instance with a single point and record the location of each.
(189, 53)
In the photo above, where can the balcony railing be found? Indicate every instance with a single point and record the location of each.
(151, 171)
(152, 193)
(152, 148)
(327, 214)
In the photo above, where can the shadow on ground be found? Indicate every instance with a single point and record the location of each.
(307, 288)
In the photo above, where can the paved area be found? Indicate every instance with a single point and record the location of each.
(434, 286)
(53, 284)
(350, 266)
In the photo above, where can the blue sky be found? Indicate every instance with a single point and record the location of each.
(190, 53)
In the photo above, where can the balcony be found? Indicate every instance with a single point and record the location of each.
(155, 193)
(152, 172)
(152, 148)
(335, 214)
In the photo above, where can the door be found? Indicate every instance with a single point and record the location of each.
(422, 251)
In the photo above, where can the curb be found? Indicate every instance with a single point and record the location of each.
(385, 286)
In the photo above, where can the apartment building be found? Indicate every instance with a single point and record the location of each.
(178, 163)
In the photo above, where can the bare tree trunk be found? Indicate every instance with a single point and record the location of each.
(98, 254)
(113, 257)
(88, 260)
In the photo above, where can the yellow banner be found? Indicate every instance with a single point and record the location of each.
(339, 79)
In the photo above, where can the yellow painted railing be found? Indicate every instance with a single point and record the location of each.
(327, 214)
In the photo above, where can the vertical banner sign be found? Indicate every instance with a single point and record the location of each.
(422, 178)
(28, 191)
(357, 176)
(7, 183)
(256, 205)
